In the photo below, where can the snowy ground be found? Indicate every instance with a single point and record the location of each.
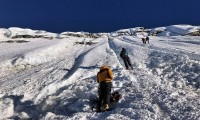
(56, 79)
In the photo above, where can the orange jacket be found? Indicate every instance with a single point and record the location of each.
(105, 74)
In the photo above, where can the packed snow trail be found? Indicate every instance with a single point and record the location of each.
(62, 85)
(143, 98)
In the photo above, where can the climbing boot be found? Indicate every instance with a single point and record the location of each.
(106, 107)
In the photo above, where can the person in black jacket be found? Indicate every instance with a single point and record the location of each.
(147, 39)
(124, 56)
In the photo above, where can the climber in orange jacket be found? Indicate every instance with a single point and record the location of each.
(104, 78)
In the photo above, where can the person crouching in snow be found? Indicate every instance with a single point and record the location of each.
(125, 57)
(104, 78)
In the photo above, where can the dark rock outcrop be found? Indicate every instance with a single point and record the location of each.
(196, 33)
(27, 36)
(156, 32)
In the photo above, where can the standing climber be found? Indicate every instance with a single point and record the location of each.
(147, 39)
(125, 57)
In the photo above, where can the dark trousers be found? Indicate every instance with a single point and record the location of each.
(104, 93)
(127, 62)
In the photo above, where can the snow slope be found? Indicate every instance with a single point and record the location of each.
(56, 79)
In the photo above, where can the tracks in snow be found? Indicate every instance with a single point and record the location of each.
(141, 90)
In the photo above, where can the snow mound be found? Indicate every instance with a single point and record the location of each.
(33, 58)
(178, 68)
(40, 55)
(4, 33)
(174, 30)
(15, 32)
(182, 29)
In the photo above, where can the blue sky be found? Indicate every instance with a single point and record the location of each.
(97, 15)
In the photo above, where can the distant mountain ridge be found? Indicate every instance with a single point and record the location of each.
(173, 30)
